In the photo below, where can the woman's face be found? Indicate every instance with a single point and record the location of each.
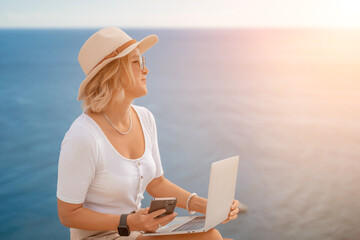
(139, 89)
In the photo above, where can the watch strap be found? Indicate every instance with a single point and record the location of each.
(123, 228)
(123, 220)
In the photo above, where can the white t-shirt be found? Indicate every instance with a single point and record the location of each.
(92, 172)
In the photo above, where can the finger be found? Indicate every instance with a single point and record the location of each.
(166, 219)
(233, 213)
(157, 213)
(233, 217)
(236, 211)
(143, 210)
(227, 220)
(235, 204)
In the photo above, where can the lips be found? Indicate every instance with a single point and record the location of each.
(144, 79)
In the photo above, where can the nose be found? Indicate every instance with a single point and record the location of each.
(146, 70)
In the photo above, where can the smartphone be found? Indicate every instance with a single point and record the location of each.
(163, 203)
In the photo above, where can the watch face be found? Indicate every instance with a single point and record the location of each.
(123, 231)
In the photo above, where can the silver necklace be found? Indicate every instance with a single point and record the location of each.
(116, 127)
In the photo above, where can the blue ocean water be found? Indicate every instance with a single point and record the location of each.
(287, 101)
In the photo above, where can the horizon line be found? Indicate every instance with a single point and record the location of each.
(180, 27)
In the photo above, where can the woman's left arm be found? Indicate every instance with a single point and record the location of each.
(161, 187)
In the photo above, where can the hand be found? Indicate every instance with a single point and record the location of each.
(236, 207)
(143, 221)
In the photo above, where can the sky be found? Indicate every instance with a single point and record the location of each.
(179, 13)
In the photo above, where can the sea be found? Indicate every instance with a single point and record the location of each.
(287, 101)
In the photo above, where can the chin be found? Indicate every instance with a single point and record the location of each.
(145, 93)
(141, 94)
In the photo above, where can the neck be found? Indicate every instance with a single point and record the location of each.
(118, 113)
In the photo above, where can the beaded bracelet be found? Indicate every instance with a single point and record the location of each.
(187, 203)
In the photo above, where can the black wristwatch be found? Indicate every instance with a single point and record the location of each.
(123, 228)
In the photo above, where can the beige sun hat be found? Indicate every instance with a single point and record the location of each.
(106, 45)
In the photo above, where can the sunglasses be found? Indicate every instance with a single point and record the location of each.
(142, 62)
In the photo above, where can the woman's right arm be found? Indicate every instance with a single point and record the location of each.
(77, 216)
(77, 167)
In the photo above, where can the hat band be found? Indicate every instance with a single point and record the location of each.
(116, 51)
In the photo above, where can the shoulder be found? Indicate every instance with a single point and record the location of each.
(145, 113)
(81, 131)
(80, 144)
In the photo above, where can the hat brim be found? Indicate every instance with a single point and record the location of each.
(144, 45)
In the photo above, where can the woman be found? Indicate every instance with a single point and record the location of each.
(110, 154)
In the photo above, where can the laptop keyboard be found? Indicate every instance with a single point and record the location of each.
(194, 224)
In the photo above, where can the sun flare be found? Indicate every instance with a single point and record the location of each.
(344, 14)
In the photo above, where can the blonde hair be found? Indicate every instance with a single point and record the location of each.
(108, 81)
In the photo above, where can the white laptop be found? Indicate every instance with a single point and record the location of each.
(221, 195)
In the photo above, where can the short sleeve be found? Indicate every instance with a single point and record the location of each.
(77, 164)
(155, 147)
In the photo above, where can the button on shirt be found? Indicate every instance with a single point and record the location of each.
(92, 172)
